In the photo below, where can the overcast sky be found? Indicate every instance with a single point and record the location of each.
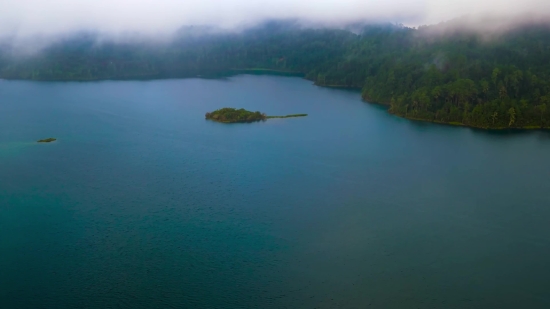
(24, 17)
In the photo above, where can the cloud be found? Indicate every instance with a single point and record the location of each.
(438, 11)
(32, 17)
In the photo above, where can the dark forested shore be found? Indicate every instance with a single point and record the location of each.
(436, 73)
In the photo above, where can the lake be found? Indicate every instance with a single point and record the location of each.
(142, 203)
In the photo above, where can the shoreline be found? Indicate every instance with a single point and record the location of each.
(159, 76)
(460, 124)
(455, 124)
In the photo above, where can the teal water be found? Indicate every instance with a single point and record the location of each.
(144, 204)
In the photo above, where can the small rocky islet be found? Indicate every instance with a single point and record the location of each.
(47, 140)
(233, 115)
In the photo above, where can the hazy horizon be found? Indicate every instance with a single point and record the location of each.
(26, 18)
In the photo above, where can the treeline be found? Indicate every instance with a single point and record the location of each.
(464, 79)
(434, 73)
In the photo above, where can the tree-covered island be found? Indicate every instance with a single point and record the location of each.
(229, 115)
(232, 115)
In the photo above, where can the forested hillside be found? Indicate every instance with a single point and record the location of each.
(457, 77)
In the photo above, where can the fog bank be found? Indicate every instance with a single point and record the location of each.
(25, 18)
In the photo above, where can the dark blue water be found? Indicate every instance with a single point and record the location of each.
(144, 204)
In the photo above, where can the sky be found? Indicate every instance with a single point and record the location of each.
(50, 17)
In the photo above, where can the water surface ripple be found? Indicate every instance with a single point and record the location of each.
(144, 204)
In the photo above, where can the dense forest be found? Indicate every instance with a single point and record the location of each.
(437, 73)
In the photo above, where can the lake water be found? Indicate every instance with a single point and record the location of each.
(142, 203)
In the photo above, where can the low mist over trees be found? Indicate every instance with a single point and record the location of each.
(460, 77)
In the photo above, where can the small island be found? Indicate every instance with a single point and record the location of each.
(229, 115)
(47, 140)
(232, 115)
